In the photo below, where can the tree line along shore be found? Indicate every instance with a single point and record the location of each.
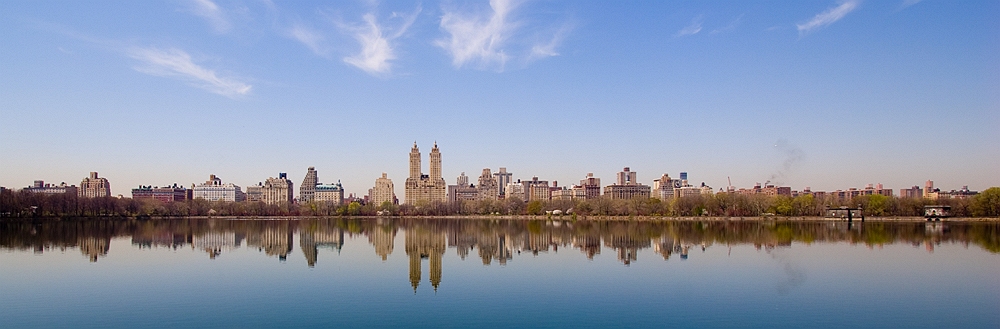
(21, 204)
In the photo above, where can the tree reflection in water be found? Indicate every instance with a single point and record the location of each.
(493, 240)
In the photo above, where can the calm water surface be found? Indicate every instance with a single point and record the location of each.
(465, 273)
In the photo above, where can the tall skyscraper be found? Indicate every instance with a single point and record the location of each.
(913, 192)
(535, 189)
(435, 162)
(627, 177)
(663, 188)
(591, 186)
(425, 188)
(94, 187)
(308, 187)
(382, 192)
(488, 189)
(503, 178)
(415, 162)
(627, 187)
(462, 190)
(515, 190)
(929, 190)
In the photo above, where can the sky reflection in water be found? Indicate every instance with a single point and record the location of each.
(461, 273)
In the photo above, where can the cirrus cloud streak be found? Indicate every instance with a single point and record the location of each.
(828, 16)
(176, 63)
(212, 14)
(692, 29)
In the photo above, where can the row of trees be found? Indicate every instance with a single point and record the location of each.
(26, 204)
(986, 204)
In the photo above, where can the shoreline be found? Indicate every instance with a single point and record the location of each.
(546, 218)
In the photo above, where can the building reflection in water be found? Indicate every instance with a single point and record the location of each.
(159, 239)
(382, 238)
(589, 244)
(274, 238)
(310, 240)
(495, 241)
(627, 246)
(665, 246)
(425, 242)
(94, 247)
(214, 243)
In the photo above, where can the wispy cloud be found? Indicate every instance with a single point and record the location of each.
(178, 64)
(376, 42)
(490, 37)
(907, 3)
(548, 49)
(478, 37)
(212, 13)
(732, 25)
(829, 16)
(692, 29)
(375, 49)
(312, 39)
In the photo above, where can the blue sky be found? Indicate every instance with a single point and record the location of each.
(826, 94)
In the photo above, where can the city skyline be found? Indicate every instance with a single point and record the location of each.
(825, 94)
(626, 177)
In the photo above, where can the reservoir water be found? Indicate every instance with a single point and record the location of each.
(210, 273)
